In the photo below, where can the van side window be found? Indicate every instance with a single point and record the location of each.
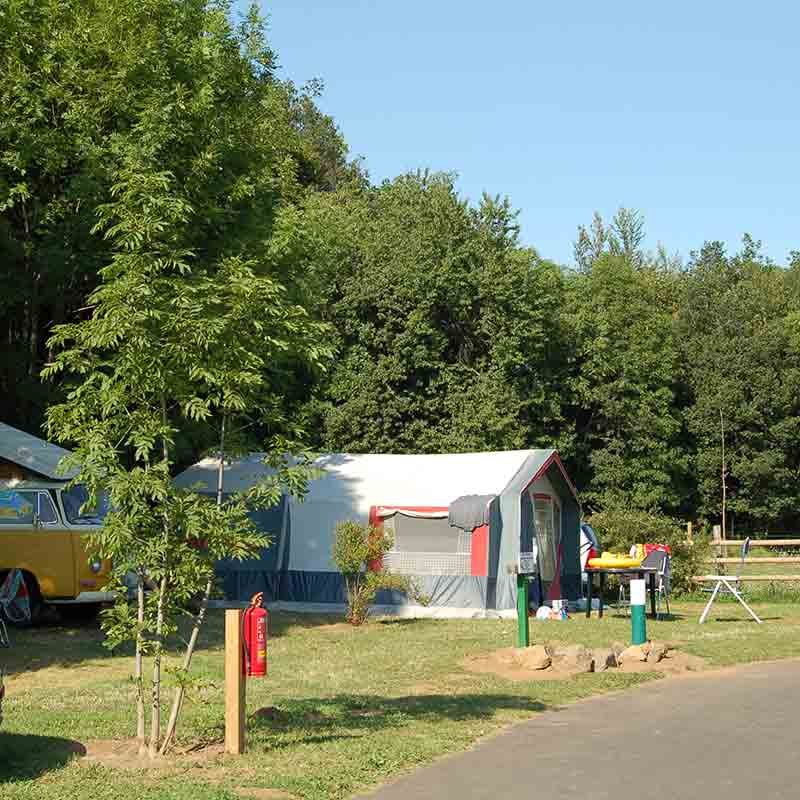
(47, 511)
(17, 508)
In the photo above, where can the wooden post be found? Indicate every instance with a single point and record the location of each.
(234, 683)
(689, 532)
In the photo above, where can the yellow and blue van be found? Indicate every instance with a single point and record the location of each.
(45, 525)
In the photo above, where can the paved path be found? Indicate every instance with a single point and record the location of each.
(732, 735)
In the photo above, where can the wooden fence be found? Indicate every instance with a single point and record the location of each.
(721, 560)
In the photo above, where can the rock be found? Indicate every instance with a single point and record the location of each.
(658, 651)
(636, 652)
(535, 657)
(575, 658)
(604, 659)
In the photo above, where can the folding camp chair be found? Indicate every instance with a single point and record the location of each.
(729, 584)
(660, 559)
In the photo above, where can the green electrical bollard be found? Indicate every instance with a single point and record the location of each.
(523, 630)
(638, 616)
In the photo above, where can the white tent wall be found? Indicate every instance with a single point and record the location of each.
(350, 486)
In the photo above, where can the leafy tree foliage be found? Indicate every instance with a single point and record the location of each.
(628, 423)
(196, 316)
(449, 333)
(357, 552)
(623, 238)
(738, 327)
(80, 80)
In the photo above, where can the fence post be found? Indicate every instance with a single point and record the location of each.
(234, 684)
(689, 532)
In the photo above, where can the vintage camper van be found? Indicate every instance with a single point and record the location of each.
(45, 524)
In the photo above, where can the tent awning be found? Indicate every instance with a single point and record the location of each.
(382, 512)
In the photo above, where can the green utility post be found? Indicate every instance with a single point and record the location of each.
(638, 617)
(523, 630)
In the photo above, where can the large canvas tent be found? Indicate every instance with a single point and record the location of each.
(459, 522)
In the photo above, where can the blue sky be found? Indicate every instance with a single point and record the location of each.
(688, 111)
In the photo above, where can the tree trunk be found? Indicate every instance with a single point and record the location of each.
(155, 719)
(140, 721)
(33, 331)
(177, 702)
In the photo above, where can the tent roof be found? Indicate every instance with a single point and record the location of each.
(392, 480)
(32, 453)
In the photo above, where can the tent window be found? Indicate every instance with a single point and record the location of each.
(424, 535)
(427, 546)
(547, 514)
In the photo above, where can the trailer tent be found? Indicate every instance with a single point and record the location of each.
(459, 522)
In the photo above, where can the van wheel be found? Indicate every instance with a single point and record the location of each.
(34, 599)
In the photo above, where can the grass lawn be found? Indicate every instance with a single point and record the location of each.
(350, 707)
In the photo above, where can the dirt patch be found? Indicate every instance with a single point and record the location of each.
(124, 754)
(502, 663)
(505, 664)
(674, 663)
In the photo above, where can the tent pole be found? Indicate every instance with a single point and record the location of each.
(523, 630)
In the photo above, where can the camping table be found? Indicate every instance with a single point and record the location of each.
(639, 572)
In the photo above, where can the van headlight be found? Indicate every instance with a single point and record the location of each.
(96, 565)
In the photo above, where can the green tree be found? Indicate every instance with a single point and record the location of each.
(196, 319)
(623, 238)
(625, 390)
(78, 76)
(738, 329)
(449, 332)
(356, 549)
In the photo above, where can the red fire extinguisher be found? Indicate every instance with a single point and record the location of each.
(254, 624)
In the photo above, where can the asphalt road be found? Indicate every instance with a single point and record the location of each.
(727, 735)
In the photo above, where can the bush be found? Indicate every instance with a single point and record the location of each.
(356, 547)
(620, 529)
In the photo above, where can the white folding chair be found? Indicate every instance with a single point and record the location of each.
(729, 584)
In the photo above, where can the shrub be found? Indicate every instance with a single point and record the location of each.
(356, 547)
(619, 529)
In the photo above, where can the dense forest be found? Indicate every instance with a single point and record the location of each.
(449, 333)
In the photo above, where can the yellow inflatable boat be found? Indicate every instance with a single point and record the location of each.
(614, 561)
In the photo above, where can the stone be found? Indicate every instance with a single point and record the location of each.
(658, 651)
(604, 659)
(575, 658)
(535, 657)
(636, 652)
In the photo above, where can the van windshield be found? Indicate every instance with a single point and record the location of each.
(75, 501)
